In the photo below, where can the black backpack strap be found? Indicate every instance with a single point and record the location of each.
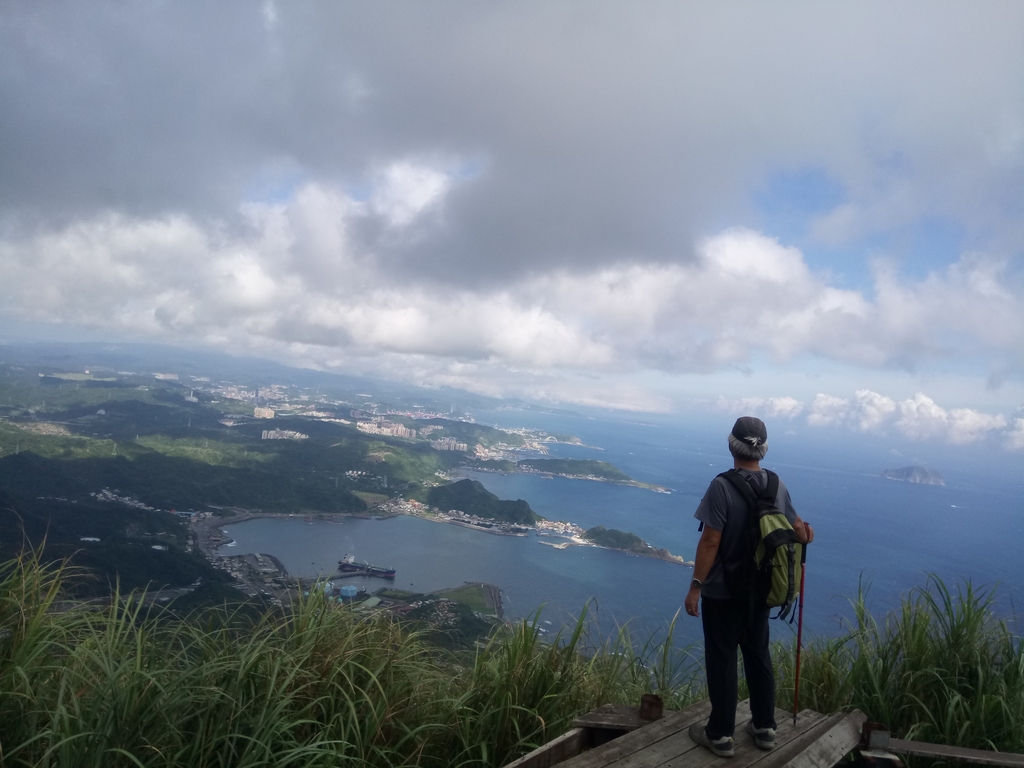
(771, 491)
(743, 485)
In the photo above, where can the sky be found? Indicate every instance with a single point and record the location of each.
(809, 211)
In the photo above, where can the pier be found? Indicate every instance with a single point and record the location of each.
(615, 736)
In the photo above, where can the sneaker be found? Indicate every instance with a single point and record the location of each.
(721, 747)
(764, 738)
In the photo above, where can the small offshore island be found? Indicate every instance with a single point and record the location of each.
(611, 538)
(914, 475)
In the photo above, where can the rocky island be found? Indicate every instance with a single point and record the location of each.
(914, 475)
(611, 538)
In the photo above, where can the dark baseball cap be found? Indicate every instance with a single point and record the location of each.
(750, 431)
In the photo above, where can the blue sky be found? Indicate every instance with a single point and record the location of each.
(789, 202)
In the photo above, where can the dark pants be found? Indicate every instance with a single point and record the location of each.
(728, 624)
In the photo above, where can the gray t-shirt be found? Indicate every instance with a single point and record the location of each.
(725, 510)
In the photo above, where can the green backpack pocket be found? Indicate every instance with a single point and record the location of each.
(771, 562)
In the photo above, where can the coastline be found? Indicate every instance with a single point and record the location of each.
(595, 478)
(657, 554)
(215, 539)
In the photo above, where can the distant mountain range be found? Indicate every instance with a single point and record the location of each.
(914, 475)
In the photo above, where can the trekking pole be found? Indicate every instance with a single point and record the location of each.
(799, 633)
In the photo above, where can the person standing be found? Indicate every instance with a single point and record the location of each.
(729, 621)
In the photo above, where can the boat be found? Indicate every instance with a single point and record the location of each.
(349, 564)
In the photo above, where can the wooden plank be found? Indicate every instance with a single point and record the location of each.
(781, 755)
(678, 747)
(747, 752)
(569, 744)
(618, 717)
(793, 736)
(666, 743)
(641, 737)
(824, 746)
(807, 722)
(942, 752)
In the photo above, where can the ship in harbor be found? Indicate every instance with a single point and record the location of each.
(349, 564)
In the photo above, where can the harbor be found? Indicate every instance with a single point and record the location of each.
(431, 558)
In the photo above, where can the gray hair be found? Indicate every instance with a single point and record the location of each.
(751, 449)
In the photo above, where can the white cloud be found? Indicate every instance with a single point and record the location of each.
(921, 418)
(269, 13)
(532, 220)
(1015, 435)
(303, 273)
(872, 409)
(770, 407)
(589, 131)
(967, 425)
(788, 407)
(917, 418)
(404, 189)
(828, 410)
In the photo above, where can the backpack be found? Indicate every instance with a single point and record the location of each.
(769, 569)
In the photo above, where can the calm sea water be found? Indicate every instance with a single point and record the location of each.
(869, 530)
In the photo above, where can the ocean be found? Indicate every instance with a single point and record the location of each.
(882, 534)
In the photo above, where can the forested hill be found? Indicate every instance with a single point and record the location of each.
(173, 482)
(470, 497)
(108, 544)
(616, 539)
(578, 468)
(613, 538)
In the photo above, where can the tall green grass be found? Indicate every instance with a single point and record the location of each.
(523, 691)
(942, 668)
(126, 685)
(314, 686)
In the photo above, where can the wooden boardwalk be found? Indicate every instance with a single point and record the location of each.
(817, 741)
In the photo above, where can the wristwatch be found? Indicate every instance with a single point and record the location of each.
(696, 584)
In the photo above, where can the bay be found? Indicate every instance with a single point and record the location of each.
(869, 530)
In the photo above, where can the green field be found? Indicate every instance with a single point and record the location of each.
(371, 499)
(475, 596)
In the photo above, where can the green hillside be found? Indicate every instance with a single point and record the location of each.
(66, 436)
(616, 539)
(471, 497)
(123, 551)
